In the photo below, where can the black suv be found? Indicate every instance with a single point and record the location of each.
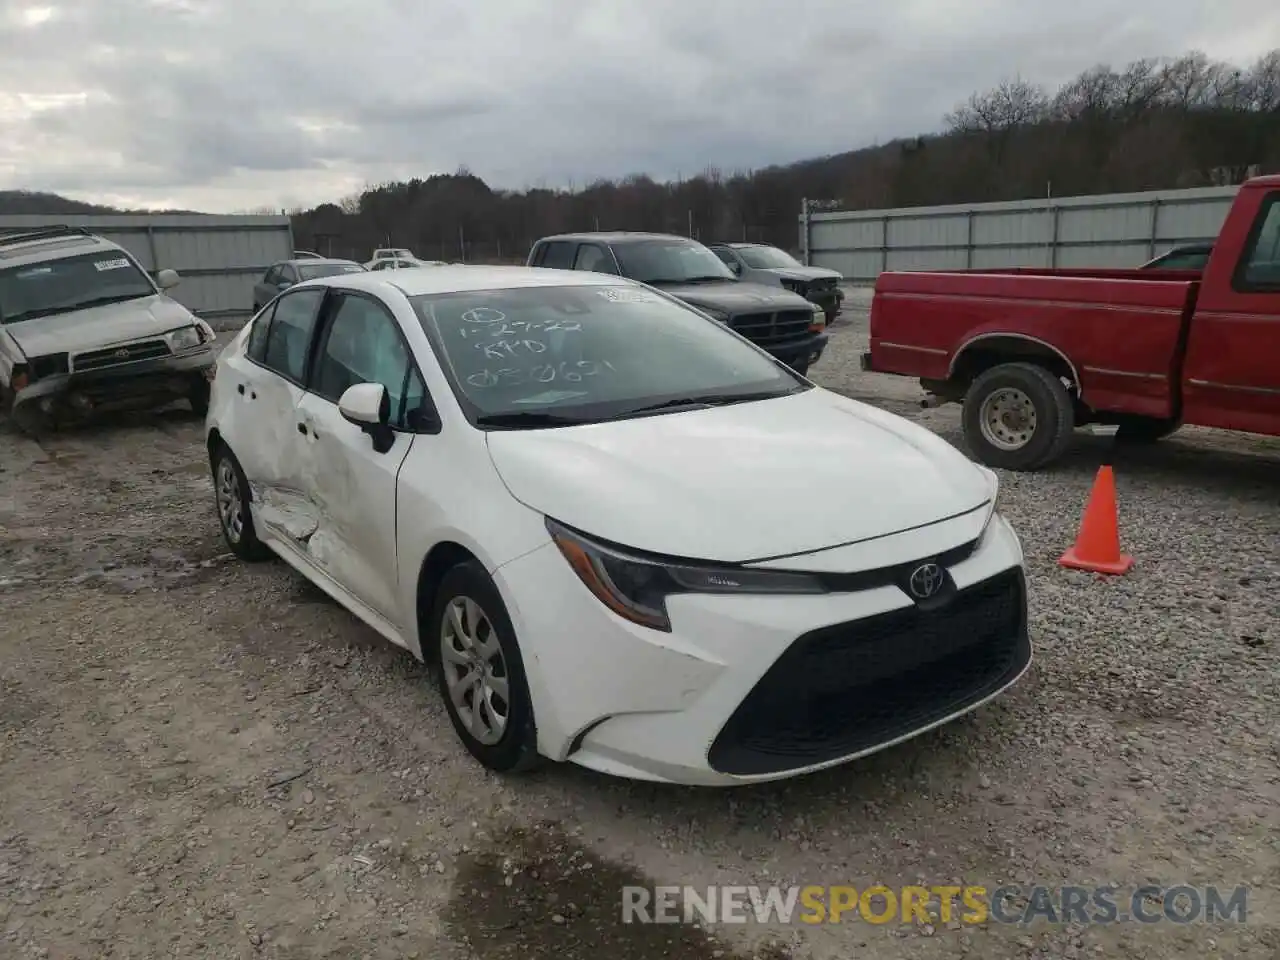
(783, 323)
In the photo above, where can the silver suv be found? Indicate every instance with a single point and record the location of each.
(84, 328)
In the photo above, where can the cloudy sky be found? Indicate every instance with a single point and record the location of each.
(224, 105)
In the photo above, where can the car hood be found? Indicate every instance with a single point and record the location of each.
(736, 296)
(804, 273)
(100, 327)
(744, 482)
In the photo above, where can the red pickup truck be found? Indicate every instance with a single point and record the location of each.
(1032, 354)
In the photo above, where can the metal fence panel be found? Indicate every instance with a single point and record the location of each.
(1109, 230)
(218, 257)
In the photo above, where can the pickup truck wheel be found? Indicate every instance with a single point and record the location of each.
(1018, 416)
(1144, 430)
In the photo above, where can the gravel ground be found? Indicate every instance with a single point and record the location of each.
(206, 759)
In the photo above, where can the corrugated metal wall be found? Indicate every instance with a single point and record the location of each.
(1110, 230)
(218, 257)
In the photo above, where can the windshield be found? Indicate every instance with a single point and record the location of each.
(588, 353)
(670, 261)
(309, 271)
(71, 283)
(767, 258)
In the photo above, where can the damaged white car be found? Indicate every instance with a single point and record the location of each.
(593, 508)
(83, 328)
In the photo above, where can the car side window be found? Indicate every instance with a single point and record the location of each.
(594, 258)
(1259, 267)
(725, 255)
(365, 345)
(287, 272)
(557, 255)
(288, 340)
(273, 275)
(256, 348)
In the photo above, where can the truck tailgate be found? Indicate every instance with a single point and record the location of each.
(1122, 337)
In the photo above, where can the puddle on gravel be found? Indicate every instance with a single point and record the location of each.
(536, 893)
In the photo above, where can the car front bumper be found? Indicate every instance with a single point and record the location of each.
(755, 688)
(801, 354)
(829, 300)
(161, 379)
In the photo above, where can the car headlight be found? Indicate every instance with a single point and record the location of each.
(719, 315)
(636, 587)
(183, 339)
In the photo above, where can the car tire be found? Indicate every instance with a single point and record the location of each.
(480, 671)
(199, 396)
(1018, 416)
(231, 496)
(1142, 431)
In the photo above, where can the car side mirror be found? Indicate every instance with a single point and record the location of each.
(284, 284)
(167, 279)
(735, 269)
(368, 406)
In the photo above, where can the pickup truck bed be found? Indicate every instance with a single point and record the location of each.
(1034, 353)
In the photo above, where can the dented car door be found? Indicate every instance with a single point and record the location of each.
(268, 382)
(351, 486)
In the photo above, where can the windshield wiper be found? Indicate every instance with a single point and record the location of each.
(31, 314)
(708, 279)
(527, 420)
(709, 400)
(104, 300)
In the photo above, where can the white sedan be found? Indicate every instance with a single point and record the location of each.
(627, 537)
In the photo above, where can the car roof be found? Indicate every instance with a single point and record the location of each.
(617, 236)
(45, 245)
(463, 278)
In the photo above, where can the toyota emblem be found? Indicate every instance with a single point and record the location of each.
(926, 580)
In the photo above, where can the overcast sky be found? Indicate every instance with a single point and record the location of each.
(222, 105)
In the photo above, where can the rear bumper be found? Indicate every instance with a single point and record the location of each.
(800, 353)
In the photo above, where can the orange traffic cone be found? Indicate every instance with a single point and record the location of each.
(1097, 547)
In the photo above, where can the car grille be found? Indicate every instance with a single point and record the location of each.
(116, 356)
(823, 285)
(768, 329)
(850, 687)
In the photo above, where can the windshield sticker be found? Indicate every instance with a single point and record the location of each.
(627, 295)
(111, 264)
(35, 272)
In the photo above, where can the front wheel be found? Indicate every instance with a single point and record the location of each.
(481, 672)
(199, 395)
(1018, 416)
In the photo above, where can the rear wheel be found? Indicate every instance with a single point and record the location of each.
(231, 492)
(1018, 416)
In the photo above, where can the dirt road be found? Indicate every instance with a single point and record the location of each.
(200, 758)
